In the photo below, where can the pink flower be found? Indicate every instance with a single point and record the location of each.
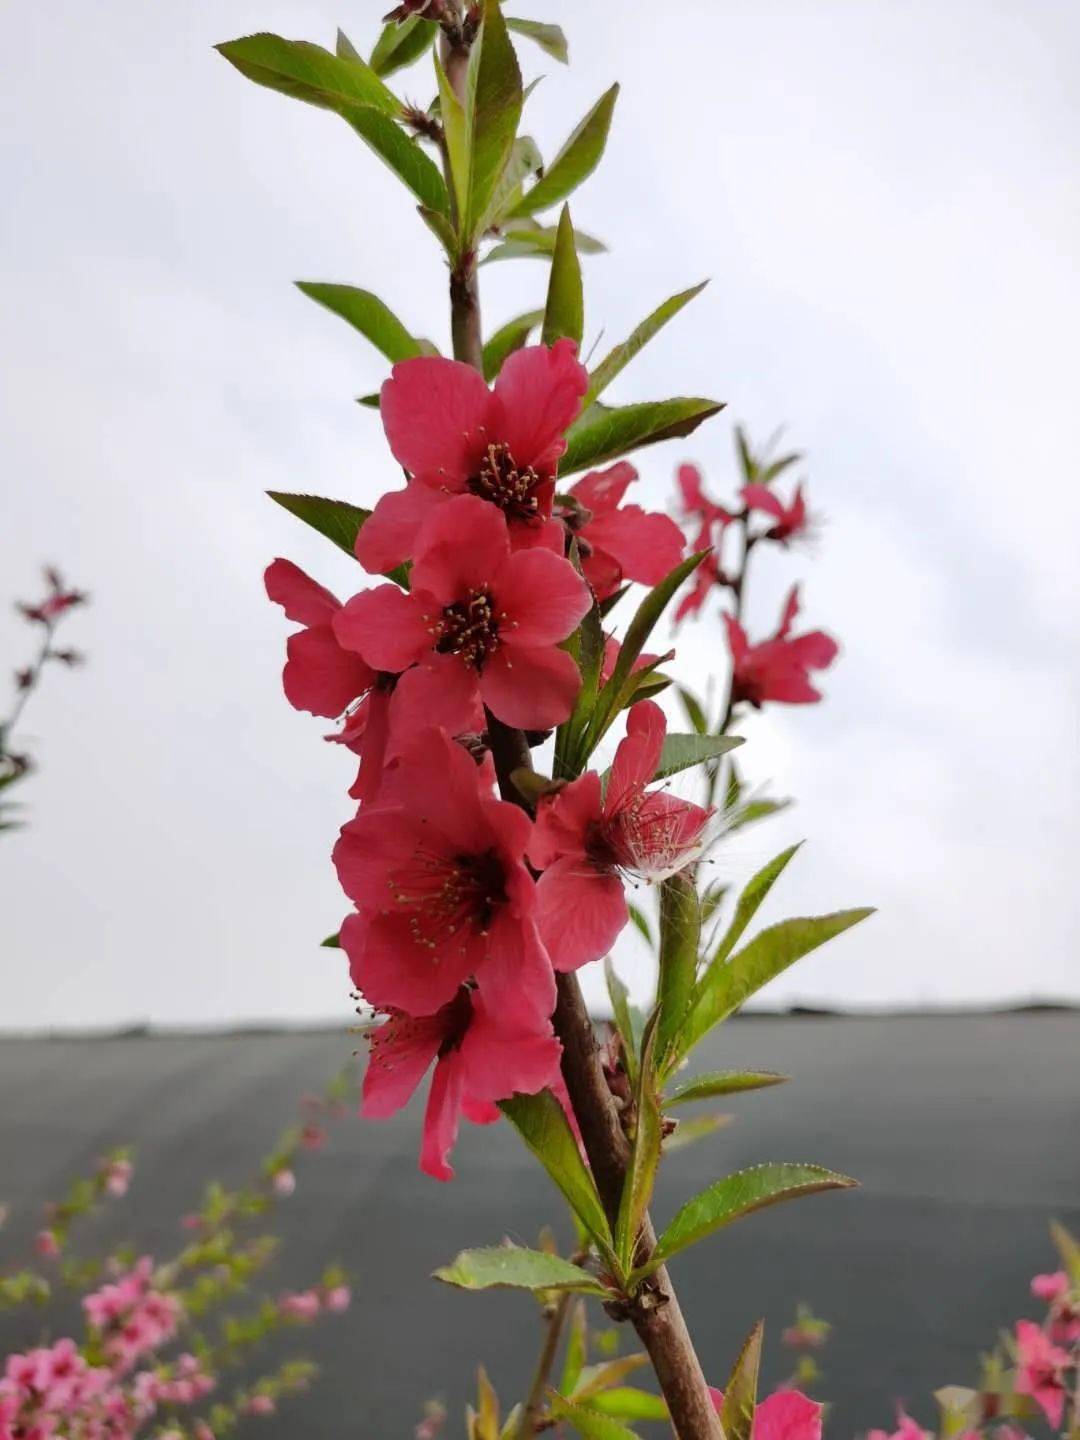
(1050, 1287)
(698, 507)
(337, 1299)
(319, 676)
(790, 520)
(488, 618)
(260, 1405)
(454, 436)
(437, 871)
(59, 600)
(584, 840)
(783, 1415)
(312, 1136)
(778, 668)
(303, 1306)
(284, 1183)
(621, 542)
(1040, 1365)
(116, 1177)
(481, 1055)
(906, 1429)
(46, 1244)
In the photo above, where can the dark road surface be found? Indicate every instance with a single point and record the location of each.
(964, 1131)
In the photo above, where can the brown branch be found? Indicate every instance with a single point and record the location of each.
(554, 1321)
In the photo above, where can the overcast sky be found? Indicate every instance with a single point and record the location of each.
(885, 195)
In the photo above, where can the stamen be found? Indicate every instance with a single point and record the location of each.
(503, 483)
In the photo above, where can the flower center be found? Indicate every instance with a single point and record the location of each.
(511, 488)
(448, 898)
(469, 628)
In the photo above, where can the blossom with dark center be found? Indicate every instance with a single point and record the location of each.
(487, 619)
(789, 521)
(437, 872)
(621, 542)
(479, 1058)
(585, 840)
(778, 668)
(454, 436)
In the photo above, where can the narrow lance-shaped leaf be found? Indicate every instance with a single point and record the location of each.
(517, 1268)
(606, 433)
(622, 354)
(588, 1422)
(620, 1007)
(308, 72)
(691, 1131)
(548, 37)
(366, 313)
(456, 135)
(722, 1082)
(740, 1393)
(680, 752)
(538, 243)
(750, 901)
(625, 1402)
(737, 1195)
(577, 159)
(400, 45)
(540, 1122)
(595, 1379)
(508, 338)
(401, 153)
(336, 519)
(577, 1341)
(695, 712)
(644, 1157)
(494, 101)
(564, 313)
(724, 988)
(524, 160)
(680, 932)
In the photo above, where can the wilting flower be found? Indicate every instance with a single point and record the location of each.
(783, 1415)
(480, 1057)
(320, 675)
(778, 668)
(436, 870)
(489, 619)
(621, 542)
(1039, 1370)
(454, 436)
(789, 521)
(585, 840)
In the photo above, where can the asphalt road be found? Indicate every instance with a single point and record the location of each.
(964, 1131)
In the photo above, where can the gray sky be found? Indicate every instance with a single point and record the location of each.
(885, 195)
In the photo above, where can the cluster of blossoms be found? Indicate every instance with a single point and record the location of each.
(307, 1305)
(131, 1316)
(464, 905)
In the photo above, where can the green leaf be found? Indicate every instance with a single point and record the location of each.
(595, 1379)
(336, 519)
(539, 244)
(691, 1131)
(1068, 1247)
(508, 338)
(755, 810)
(722, 1082)
(605, 432)
(440, 226)
(680, 932)
(622, 354)
(456, 132)
(624, 680)
(620, 1008)
(577, 1344)
(751, 899)
(737, 1195)
(723, 988)
(524, 160)
(644, 1158)
(740, 1393)
(586, 645)
(494, 109)
(400, 45)
(588, 1422)
(641, 924)
(564, 313)
(367, 313)
(575, 162)
(681, 751)
(332, 942)
(694, 711)
(541, 1123)
(509, 1265)
(628, 1403)
(402, 154)
(308, 72)
(548, 37)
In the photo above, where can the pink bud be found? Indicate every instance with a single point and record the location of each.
(338, 1298)
(46, 1244)
(284, 1183)
(260, 1405)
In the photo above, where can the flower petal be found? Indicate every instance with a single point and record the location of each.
(461, 547)
(563, 821)
(530, 689)
(302, 599)
(320, 676)
(539, 598)
(388, 536)
(441, 1117)
(538, 397)
(602, 490)
(760, 497)
(500, 1060)
(580, 911)
(434, 412)
(638, 755)
(386, 626)
(646, 546)
(395, 971)
(517, 980)
(440, 691)
(402, 1048)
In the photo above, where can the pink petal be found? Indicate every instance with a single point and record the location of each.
(501, 1060)
(530, 689)
(603, 573)
(564, 820)
(787, 1415)
(298, 595)
(434, 412)
(690, 486)
(461, 547)
(441, 789)
(440, 691)
(320, 676)
(480, 1112)
(815, 650)
(737, 641)
(401, 1051)
(646, 546)
(580, 911)
(538, 396)
(760, 497)
(603, 490)
(386, 626)
(380, 840)
(517, 980)
(540, 598)
(791, 609)
(394, 972)
(638, 756)
(388, 536)
(373, 747)
(441, 1117)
